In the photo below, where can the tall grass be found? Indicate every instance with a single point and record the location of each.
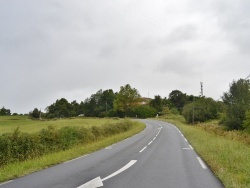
(227, 153)
(10, 123)
(19, 146)
(106, 137)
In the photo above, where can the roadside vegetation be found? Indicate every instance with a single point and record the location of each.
(225, 152)
(23, 153)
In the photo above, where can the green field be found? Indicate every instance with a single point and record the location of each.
(10, 123)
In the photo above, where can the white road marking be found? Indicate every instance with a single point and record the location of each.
(6, 182)
(187, 148)
(154, 138)
(202, 163)
(143, 149)
(98, 182)
(131, 163)
(150, 143)
(191, 147)
(75, 159)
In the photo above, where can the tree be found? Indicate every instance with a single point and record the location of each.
(61, 108)
(157, 103)
(35, 113)
(237, 101)
(5, 112)
(144, 111)
(126, 99)
(177, 99)
(201, 110)
(99, 103)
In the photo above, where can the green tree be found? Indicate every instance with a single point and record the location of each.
(144, 111)
(237, 101)
(157, 103)
(61, 108)
(99, 103)
(177, 99)
(35, 113)
(127, 99)
(5, 112)
(201, 110)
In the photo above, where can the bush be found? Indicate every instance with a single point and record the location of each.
(246, 123)
(204, 109)
(20, 146)
(144, 111)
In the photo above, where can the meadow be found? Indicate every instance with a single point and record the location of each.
(10, 123)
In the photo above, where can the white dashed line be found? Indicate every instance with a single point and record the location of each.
(143, 149)
(202, 163)
(150, 143)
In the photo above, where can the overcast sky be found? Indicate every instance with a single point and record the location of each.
(52, 49)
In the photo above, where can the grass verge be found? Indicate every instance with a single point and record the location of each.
(19, 169)
(227, 157)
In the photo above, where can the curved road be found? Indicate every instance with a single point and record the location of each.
(159, 157)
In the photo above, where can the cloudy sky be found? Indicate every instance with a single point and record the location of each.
(52, 49)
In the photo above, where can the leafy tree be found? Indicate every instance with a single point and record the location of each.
(157, 103)
(5, 112)
(35, 113)
(177, 99)
(61, 108)
(99, 103)
(144, 111)
(127, 99)
(201, 110)
(237, 101)
(107, 98)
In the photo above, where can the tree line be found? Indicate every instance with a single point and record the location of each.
(233, 111)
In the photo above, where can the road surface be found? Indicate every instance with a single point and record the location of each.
(158, 157)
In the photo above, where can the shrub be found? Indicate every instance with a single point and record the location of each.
(144, 111)
(246, 122)
(18, 146)
(201, 110)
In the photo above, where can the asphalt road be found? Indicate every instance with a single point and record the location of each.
(158, 157)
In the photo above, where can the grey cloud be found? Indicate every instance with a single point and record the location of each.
(58, 48)
(184, 33)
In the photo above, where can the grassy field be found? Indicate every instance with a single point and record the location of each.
(10, 123)
(18, 169)
(226, 152)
